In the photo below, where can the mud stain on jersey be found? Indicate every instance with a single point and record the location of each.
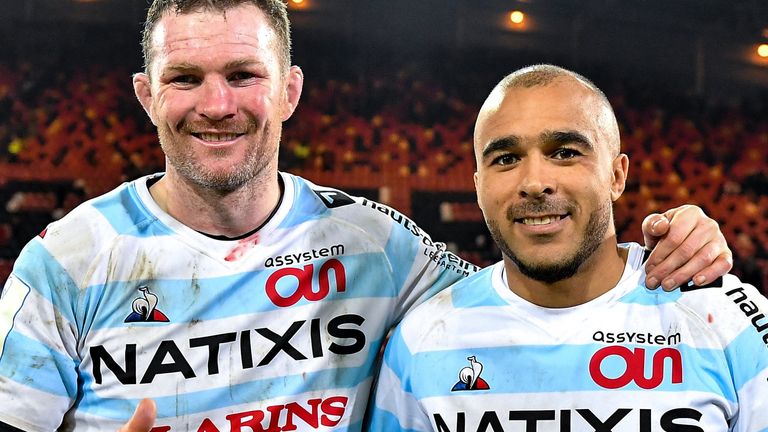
(195, 281)
(143, 268)
(129, 265)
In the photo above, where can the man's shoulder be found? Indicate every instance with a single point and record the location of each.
(118, 211)
(726, 290)
(80, 235)
(312, 202)
(453, 306)
(729, 307)
(337, 200)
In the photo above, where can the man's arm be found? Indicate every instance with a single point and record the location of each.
(687, 245)
(38, 377)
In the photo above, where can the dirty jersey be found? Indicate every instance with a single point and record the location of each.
(478, 358)
(277, 331)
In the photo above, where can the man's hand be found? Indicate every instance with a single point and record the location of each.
(143, 418)
(687, 245)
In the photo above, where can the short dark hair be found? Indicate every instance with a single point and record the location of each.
(544, 74)
(275, 11)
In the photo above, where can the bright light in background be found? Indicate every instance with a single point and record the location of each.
(298, 4)
(517, 21)
(762, 50)
(517, 17)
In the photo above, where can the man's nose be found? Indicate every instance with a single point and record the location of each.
(217, 101)
(538, 179)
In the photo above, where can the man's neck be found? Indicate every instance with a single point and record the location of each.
(596, 276)
(214, 213)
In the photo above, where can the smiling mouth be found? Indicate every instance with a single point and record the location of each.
(216, 137)
(540, 220)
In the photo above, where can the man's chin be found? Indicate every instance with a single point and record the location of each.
(217, 181)
(552, 269)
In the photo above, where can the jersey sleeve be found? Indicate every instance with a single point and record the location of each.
(393, 406)
(747, 354)
(38, 356)
(421, 266)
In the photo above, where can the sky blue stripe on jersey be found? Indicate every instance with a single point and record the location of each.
(306, 205)
(398, 356)
(384, 420)
(466, 293)
(37, 268)
(122, 208)
(747, 345)
(35, 365)
(233, 295)
(195, 402)
(643, 296)
(520, 369)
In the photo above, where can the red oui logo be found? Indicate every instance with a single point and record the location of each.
(635, 370)
(304, 287)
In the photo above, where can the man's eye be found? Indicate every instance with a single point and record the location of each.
(184, 79)
(241, 76)
(565, 153)
(506, 159)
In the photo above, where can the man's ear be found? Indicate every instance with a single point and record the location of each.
(475, 180)
(620, 170)
(142, 87)
(293, 85)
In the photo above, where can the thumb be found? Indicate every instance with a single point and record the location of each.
(143, 418)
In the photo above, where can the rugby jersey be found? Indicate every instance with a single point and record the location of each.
(280, 330)
(476, 357)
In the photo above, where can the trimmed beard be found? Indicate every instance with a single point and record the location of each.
(594, 233)
(259, 157)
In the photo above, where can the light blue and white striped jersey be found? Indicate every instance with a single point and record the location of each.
(476, 357)
(277, 331)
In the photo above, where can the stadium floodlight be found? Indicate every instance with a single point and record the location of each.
(517, 17)
(762, 50)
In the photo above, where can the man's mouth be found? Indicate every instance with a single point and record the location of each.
(216, 137)
(540, 220)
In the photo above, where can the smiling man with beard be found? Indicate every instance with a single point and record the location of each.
(562, 334)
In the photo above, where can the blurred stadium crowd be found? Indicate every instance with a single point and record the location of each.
(398, 134)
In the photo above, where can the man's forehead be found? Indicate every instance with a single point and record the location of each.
(245, 24)
(545, 100)
(213, 36)
(528, 112)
